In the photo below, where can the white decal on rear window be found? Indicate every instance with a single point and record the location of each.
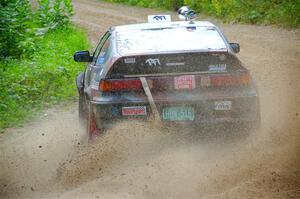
(153, 62)
(217, 68)
(129, 60)
(175, 64)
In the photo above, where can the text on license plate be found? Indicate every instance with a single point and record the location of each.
(178, 114)
(223, 105)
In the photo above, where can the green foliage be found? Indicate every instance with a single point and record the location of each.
(36, 49)
(20, 24)
(283, 12)
(165, 4)
(46, 78)
(15, 16)
(54, 14)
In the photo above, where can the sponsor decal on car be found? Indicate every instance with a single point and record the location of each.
(153, 62)
(184, 82)
(159, 18)
(175, 64)
(101, 60)
(217, 68)
(223, 105)
(129, 60)
(134, 110)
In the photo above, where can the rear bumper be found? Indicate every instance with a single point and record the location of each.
(244, 108)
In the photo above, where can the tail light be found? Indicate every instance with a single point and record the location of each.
(107, 85)
(230, 80)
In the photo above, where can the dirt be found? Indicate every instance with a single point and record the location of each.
(48, 157)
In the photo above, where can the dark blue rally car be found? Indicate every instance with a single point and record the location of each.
(182, 72)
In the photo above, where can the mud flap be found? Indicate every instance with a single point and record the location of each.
(156, 115)
(93, 130)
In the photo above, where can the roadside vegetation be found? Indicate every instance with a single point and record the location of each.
(36, 47)
(281, 12)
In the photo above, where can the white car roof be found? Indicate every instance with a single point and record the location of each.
(168, 37)
(162, 25)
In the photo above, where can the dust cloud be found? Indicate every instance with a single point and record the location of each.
(137, 160)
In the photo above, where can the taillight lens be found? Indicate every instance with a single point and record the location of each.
(231, 80)
(108, 85)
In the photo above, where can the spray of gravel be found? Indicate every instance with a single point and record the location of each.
(146, 160)
(141, 160)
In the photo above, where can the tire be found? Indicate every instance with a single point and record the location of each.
(82, 118)
(81, 103)
(93, 130)
(88, 124)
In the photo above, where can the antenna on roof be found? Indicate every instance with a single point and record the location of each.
(185, 13)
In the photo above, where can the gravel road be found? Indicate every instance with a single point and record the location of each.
(47, 158)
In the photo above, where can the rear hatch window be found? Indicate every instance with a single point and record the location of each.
(169, 39)
(206, 62)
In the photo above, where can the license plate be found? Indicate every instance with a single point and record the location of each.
(134, 110)
(178, 113)
(223, 105)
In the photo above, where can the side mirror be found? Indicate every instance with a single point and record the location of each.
(235, 47)
(83, 56)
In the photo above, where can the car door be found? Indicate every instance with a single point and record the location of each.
(93, 65)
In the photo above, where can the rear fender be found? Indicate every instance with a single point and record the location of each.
(79, 82)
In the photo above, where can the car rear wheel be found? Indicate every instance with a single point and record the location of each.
(81, 107)
(93, 127)
(82, 117)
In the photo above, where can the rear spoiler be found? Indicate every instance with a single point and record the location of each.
(173, 74)
(174, 63)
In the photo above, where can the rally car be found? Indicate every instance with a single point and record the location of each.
(181, 72)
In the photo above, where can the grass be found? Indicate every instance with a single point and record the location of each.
(46, 78)
(282, 13)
